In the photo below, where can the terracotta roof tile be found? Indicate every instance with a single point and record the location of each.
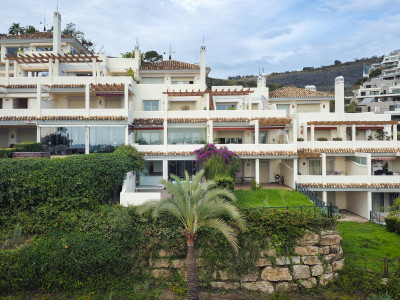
(33, 36)
(169, 65)
(67, 118)
(353, 185)
(294, 92)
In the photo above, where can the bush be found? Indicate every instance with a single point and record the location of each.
(255, 186)
(322, 139)
(6, 152)
(30, 182)
(225, 182)
(28, 147)
(393, 224)
(300, 139)
(337, 139)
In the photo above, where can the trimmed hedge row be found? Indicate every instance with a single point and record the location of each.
(27, 183)
(21, 147)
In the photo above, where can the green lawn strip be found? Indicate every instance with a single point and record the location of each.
(369, 240)
(257, 198)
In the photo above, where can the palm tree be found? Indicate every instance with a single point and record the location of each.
(197, 205)
(16, 29)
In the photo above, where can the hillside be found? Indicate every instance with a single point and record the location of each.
(323, 77)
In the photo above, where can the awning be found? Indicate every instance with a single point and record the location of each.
(366, 100)
(384, 158)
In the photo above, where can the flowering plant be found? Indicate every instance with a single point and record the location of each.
(210, 151)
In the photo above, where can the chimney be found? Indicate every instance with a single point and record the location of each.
(57, 33)
(262, 81)
(339, 97)
(203, 67)
(137, 54)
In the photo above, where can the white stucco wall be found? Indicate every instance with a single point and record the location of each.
(357, 203)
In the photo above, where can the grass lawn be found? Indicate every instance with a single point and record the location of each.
(249, 198)
(371, 240)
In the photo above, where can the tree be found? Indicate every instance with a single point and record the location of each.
(352, 107)
(337, 62)
(152, 57)
(129, 54)
(16, 29)
(30, 29)
(70, 29)
(197, 205)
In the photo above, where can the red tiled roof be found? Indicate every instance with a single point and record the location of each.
(33, 36)
(294, 92)
(169, 65)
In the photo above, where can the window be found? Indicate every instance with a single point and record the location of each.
(178, 167)
(362, 93)
(12, 51)
(226, 106)
(358, 160)
(1, 103)
(182, 80)
(149, 137)
(152, 80)
(104, 139)
(20, 103)
(284, 107)
(231, 141)
(186, 136)
(314, 167)
(63, 140)
(153, 168)
(44, 49)
(374, 92)
(150, 105)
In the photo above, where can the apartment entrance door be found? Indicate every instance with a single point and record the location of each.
(264, 171)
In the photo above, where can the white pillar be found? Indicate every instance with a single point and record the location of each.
(295, 172)
(257, 170)
(305, 133)
(369, 204)
(50, 69)
(369, 167)
(256, 132)
(325, 197)
(126, 99)
(395, 134)
(94, 69)
(7, 71)
(87, 135)
(87, 99)
(210, 130)
(294, 133)
(323, 165)
(38, 99)
(203, 67)
(353, 133)
(165, 169)
(126, 131)
(165, 125)
(38, 134)
(16, 69)
(339, 98)
(312, 137)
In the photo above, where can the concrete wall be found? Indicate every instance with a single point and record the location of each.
(287, 171)
(357, 203)
(353, 168)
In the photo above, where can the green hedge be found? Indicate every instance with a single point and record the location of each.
(393, 224)
(6, 152)
(27, 183)
(28, 147)
(225, 182)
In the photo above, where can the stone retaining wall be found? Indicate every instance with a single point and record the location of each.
(316, 260)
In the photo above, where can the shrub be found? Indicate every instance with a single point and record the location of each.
(337, 139)
(393, 224)
(215, 167)
(29, 182)
(255, 186)
(6, 152)
(300, 139)
(28, 147)
(322, 139)
(225, 182)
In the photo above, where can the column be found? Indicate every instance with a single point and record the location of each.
(353, 135)
(7, 71)
(94, 69)
(126, 131)
(210, 131)
(305, 133)
(294, 133)
(87, 134)
(325, 197)
(38, 99)
(165, 125)
(257, 170)
(16, 69)
(295, 171)
(126, 99)
(165, 169)
(50, 69)
(87, 99)
(256, 132)
(395, 134)
(369, 204)
(369, 168)
(323, 164)
(338, 133)
(38, 134)
(312, 137)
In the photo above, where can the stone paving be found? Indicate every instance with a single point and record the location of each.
(351, 217)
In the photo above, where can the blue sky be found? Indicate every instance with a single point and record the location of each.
(241, 35)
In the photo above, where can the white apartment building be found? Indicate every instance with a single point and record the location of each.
(83, 103)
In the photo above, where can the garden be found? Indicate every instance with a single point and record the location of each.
(62, 236)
